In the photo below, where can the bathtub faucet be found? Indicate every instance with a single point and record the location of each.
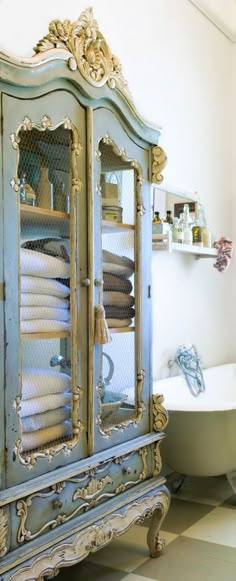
(188, 360)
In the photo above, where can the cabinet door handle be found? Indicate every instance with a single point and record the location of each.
(85, 282)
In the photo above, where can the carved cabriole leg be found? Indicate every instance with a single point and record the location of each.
(154, 541)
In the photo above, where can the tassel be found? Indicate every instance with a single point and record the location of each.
(102, 334)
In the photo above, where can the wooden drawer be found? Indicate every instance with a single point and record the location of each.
(52, 507)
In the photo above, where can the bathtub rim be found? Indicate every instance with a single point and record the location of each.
(197, 404)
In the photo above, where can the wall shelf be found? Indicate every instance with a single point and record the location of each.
(109, 227)
(164, 242)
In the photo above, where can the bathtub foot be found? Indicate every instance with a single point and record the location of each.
(176, 482)
(155, 542)
(231, 477)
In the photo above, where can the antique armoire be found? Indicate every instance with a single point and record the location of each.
(80, 428)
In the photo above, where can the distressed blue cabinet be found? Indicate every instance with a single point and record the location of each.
(80, 429)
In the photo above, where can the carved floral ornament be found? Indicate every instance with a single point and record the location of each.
(159, 160)
(160, 414)
(89, 51)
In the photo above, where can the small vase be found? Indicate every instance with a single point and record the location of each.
(44, 190)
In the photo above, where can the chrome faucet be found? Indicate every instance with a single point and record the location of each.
(59, 360)
(188, 360)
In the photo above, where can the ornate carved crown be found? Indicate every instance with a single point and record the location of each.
(89, 51)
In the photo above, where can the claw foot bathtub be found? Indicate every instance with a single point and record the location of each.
(201, 435)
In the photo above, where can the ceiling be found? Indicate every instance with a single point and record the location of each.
(222, 13)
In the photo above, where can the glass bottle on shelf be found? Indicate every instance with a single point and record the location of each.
(180, 230)
(206, 234)
(197, 231)
(60, 197)
(175, 230)
(27, 195)
(187, 230)
(156, 218)
(169, 218)
(187, 233)
(44, 190)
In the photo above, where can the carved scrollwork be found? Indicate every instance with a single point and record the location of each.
(99, 534)
(157, 460)
(46, 124)
(158, 164)
(142, 475)
(88, 51)
(160, 414)
(93, 489)
(3, 532)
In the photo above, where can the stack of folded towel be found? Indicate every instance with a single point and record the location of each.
(45, 407)
(117, 301)
(44, 299)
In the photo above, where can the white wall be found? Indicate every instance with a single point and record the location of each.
(234, 187)
(179, 68)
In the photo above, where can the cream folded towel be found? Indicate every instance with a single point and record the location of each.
(117, 269)
(37, 382)
(117, 299)
(39, 285)
(38, 300)
(46, 419)
(33, 440)
(27, 313)
(118, 322)
(44, 326)
(38, 405)
(37, 264)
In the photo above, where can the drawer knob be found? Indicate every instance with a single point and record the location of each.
(85, 282)
(127, 470)
(57, 504)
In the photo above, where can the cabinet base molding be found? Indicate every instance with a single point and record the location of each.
(74, 549)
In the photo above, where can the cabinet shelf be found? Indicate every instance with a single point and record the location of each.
(114, 227)
(164, 242)
(122, 329)
(61, 335)
(34, 214)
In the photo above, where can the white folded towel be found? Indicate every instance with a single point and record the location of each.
(37, 382)
(46, 419)
(39, 300)
(44, 326)
(37, 405)
(27, 313)
(39, 285)
(38, 264)
(117, 299)
(33, 440)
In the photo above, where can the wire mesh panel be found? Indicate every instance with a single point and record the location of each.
(118, 364)
(47, 303)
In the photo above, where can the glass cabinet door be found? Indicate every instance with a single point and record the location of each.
(44, 306)
(122, 285)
